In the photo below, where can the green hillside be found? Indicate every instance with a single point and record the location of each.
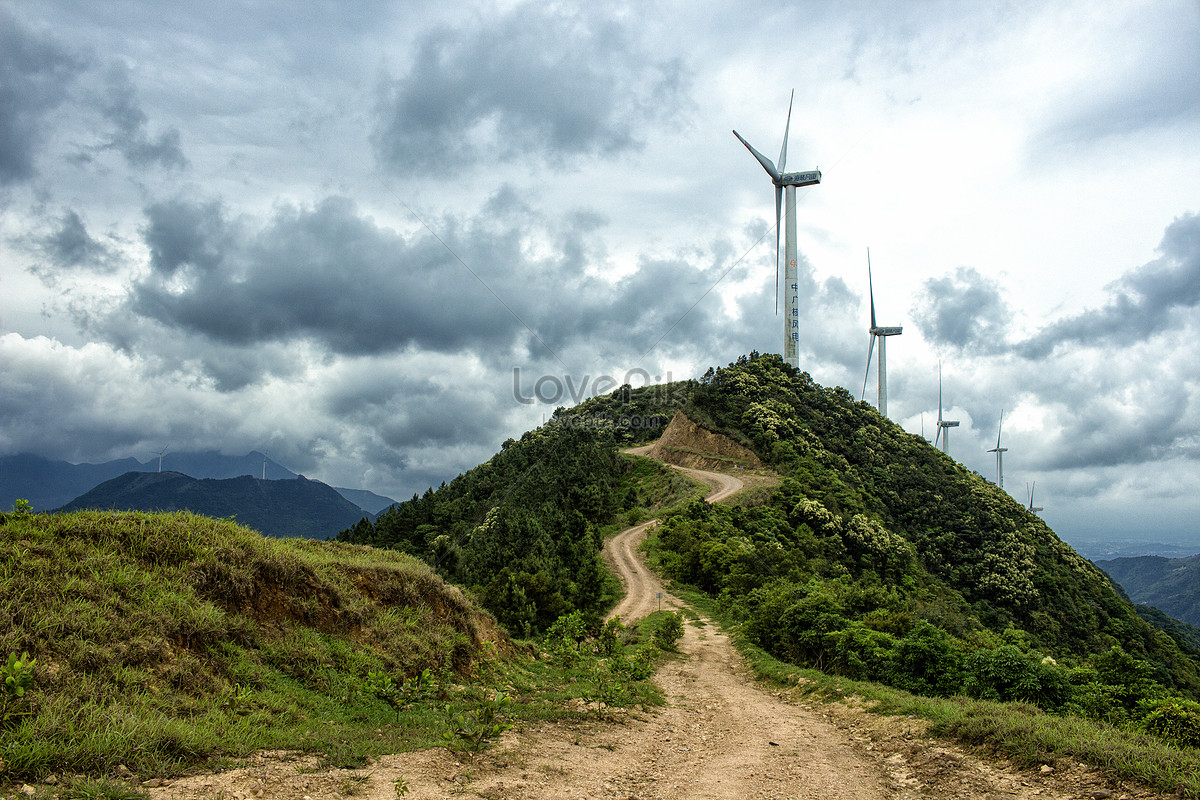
(878, 557)
(523, 530)
(138, 647)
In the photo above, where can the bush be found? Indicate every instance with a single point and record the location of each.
(1006, 673)
(927, 661)
(669, 632)
(1175, 721)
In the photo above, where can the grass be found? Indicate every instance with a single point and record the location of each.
(170, 641)
(1019, 731)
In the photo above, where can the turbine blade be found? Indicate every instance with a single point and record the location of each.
(870, 352)
(1000, 429)
(783, 151)
(937, 438)
(871, 288)
(766, 162)
(939, 395)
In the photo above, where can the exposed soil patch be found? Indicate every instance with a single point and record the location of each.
(686, 444)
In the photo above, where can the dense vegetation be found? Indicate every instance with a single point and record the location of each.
(523, 530)
(880, 558)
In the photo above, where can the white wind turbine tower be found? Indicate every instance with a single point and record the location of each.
(160, 456)
(1000, 451)
(1031, 508)
(944, 425)
(881, 334)
(785, 185)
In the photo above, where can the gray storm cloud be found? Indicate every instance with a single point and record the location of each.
(531, 81)
(965, 310)
(35, 74)
(1143, 303)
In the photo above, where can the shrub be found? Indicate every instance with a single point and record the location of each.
(927, 661)
(670, 631)
(16, 679)
(1174, 720)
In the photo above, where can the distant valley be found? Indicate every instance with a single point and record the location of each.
(1171, 585)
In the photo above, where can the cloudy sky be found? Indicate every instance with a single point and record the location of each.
(364, 236)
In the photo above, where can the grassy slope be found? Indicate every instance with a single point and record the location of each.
(167, 641)
(166, 638)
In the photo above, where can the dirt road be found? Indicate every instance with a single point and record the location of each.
(643, 591)
(719, 736)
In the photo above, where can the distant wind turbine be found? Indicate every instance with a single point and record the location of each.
(881, 334)
(786, 183)
(1000, 451)
(944, 425)
(1031, 507)
(160, 457)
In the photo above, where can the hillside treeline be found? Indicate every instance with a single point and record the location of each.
(520, 530)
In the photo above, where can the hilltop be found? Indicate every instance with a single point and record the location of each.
(877, 557)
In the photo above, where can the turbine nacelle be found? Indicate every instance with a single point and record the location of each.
(809, 178)
(782, 179)
(896, 331)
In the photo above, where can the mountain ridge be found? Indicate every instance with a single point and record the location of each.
(47, 483)
(869, 519)
(296, 508)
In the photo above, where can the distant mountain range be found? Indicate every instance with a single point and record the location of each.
(50, 484)
(1171, 585)
(283, 508)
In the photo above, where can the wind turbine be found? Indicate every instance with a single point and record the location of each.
(944, 425)
(785, 187)
(1000, 451)
(1032, 509)
(160, 456)
(881, 334)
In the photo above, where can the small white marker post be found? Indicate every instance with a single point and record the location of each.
(660, 601)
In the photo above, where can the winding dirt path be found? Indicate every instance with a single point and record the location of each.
(642, 587)
(720, 736)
